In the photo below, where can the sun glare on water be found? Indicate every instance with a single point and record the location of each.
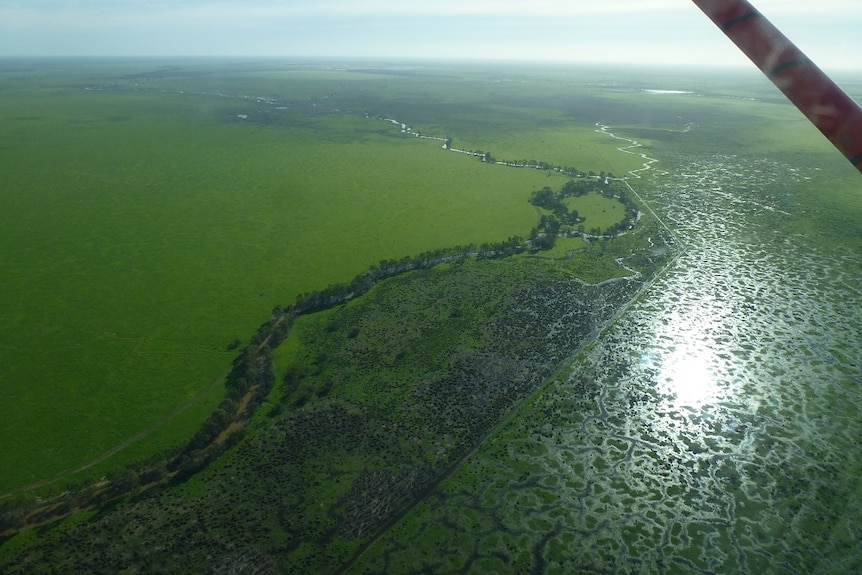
(690, 353)
(687, 375)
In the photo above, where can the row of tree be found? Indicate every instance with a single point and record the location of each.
(252, 375)
(544, 235)
(336, 294)
(570, 171)
(248, 383)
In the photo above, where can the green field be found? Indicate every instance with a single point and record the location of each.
(147, 225)
(597, 211)
(143, 232)
(156, 212)
(390, 388)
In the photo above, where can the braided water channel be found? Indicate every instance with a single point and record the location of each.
(714, 428)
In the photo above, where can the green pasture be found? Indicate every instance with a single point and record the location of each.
(580, 147)
(516, 114)
(596, 210)
(719, 124)
(144, 231)
(741, 113)
(146, 224)
(149, 222)
(564, 246)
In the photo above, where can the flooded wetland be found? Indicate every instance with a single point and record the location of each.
(714, 428)
(675, 392)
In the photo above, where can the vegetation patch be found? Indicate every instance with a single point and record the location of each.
(139, 251)
(381, 395)
(275, 182)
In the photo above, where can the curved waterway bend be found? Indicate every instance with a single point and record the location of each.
(632, 145)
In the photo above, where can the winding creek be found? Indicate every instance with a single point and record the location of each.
(713, 427)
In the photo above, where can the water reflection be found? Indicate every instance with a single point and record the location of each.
(690, 347)
(713, 428)
(687, 375)
(743, 354)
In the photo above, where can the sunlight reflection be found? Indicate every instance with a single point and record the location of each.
(687, 375)
(688, 356)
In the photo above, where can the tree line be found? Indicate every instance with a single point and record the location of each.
(567, 221)
(248, 383)
(252, 373)
(336, 294)
(570, 171)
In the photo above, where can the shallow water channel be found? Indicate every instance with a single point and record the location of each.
(714, 428)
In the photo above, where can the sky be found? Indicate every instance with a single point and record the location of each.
(595, 31)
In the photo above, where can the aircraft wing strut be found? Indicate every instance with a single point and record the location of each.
(834, 113)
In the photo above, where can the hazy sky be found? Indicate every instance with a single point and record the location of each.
(661, 31)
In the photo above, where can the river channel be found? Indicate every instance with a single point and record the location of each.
(713, 428)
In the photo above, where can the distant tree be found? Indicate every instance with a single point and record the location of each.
(550, 224)
(544, 198)
(544, 241)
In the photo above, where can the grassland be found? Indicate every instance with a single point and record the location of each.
(149, 224)
(145, 231)
(597, 211)
(377, 399)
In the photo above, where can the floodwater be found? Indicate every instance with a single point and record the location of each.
(713, 428)
(735, 385)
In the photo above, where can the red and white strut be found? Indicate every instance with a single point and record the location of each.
(812, 91)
